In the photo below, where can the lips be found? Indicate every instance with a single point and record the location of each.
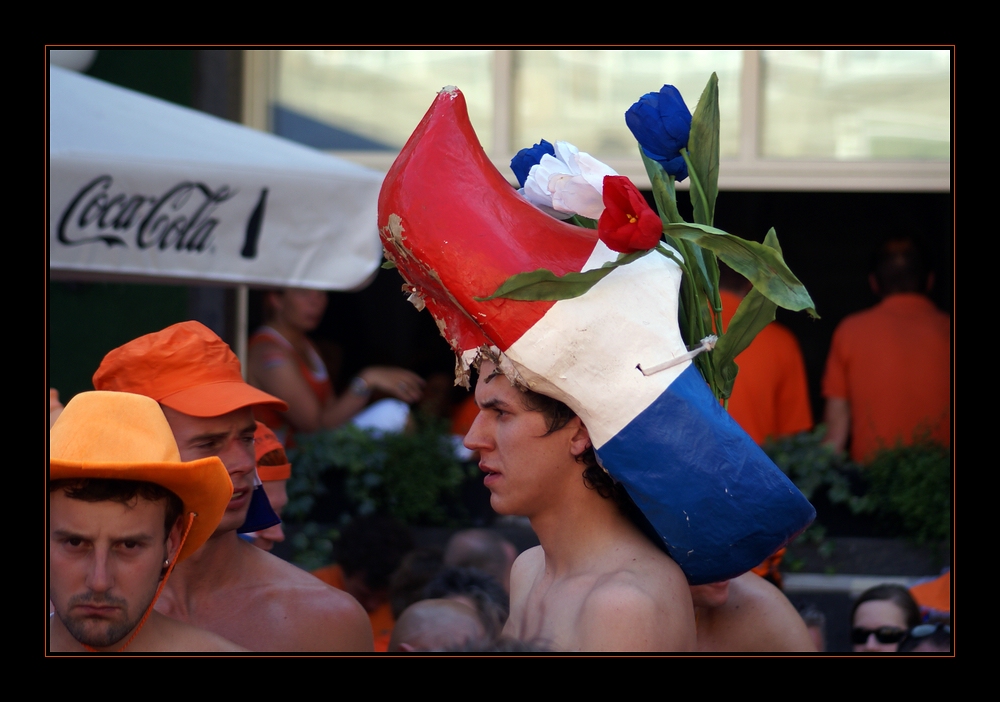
(97, 611)
(239, 498)
(492, 476)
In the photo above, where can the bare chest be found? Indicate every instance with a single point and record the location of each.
(549, 614)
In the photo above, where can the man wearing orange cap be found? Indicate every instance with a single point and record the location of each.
(274, 470)
(123, 510)
(229, 586)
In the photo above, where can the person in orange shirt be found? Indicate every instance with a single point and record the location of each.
(770, 398)
(888, 375)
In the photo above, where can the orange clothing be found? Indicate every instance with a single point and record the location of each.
(769, 568)
(318, 381)
(464, 415)
(892, 363)
(381, 618)
(770, 397)
(934, 595)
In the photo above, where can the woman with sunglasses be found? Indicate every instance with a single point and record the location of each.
(881, 617)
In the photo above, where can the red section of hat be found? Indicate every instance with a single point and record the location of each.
(456, 230)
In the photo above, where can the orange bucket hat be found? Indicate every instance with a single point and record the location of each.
(123, 436)
(186, 367)
(264, 442)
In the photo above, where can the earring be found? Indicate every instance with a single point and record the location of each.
(166, 562)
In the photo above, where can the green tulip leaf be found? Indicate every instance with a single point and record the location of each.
(753, 314)
(727, 373)
(760, 264)
(703, 153)
(543, 284)
(664, 192)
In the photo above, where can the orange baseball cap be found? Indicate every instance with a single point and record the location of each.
(264, 442)
(122, 436)
(186, 367)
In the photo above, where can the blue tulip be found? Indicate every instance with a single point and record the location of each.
(526, 158)
(661, 123)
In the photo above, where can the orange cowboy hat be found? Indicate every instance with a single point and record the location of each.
(122, 436)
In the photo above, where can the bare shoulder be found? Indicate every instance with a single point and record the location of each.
(265, 353)
(527, 564)
(313, 615)
(176, 636)
(644, 606)
(766, 621)
(526, 569)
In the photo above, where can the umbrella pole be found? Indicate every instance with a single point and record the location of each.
(242, 321)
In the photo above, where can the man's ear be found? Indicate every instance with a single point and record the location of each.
(581, 438)
(174, 539)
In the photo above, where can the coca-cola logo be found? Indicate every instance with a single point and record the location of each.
(182, 219)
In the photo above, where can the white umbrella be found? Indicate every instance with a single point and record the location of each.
(139, 187)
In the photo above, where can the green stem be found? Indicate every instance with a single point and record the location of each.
(696, 188)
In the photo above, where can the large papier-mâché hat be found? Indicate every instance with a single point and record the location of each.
(456, 230)
(123, 436)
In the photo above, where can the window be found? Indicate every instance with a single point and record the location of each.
(859, 120)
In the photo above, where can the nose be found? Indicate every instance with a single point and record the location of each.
(477, 439)
(238, 457)
(872, 644)
(99, 577)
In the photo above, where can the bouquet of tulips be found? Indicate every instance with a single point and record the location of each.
(674, 145)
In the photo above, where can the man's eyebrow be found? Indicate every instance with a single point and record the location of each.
(209, 436)
(141, 537)
(495, 403)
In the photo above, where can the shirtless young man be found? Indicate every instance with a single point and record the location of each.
(115, 525)
(596, 583)
(229, 586)
(748, 614)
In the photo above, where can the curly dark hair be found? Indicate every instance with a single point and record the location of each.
(558, 415)
(492, 601)
(126, 492)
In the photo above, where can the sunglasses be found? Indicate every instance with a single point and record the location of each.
(884, 635)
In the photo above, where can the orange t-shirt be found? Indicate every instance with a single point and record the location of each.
(770, 396)
(892, 363)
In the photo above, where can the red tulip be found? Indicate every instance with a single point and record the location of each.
(627, 224)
